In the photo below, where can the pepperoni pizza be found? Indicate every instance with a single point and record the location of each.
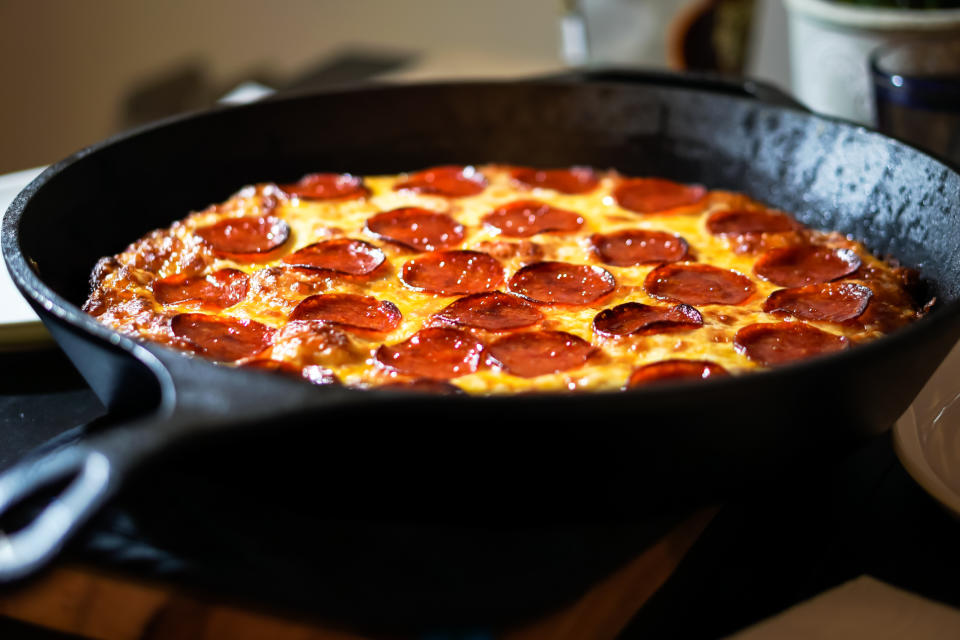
(499, 279)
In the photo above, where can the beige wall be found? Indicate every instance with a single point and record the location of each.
(66, 65)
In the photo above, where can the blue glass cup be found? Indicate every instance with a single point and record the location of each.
(916, 89)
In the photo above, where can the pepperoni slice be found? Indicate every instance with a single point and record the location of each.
(639, 246)
(423, 385)
(536, 353)
(698, 284)
(417, 228)
(327, 186)
(215, 291)
(640, 319)
(828, 302)
(453, 273)
(353, 257)
(781, 342)
(350, 311)
(652, 195)
(435, 353)
(524, 218)
(452, 181)
(737, 222)
(807, 264)
(240, 237)
(563, 283)
(667, 371)
(574, 180)
(493, 311)
(222, 338)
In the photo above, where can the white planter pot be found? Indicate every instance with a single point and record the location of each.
(830, 44)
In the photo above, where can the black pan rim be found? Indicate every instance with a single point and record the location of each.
(33, 287)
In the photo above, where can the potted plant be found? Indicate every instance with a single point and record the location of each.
(831, 41)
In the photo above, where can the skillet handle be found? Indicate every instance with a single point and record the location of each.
(740, 87)
(196, 396)
(95, 472)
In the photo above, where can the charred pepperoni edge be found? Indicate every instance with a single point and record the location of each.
(519, 355)
(303, 188)
(816, 342)
(517, 313)
(224, 280)
(898, 298)
(387, 315)
(735, 281)
(429, 266)
(667, 371)
(426, 349)
(392, 225)
(271, 245)
(600, 243)
(604, 283)
(199, 330)
(572, 181)
(764, 221)
(301, 258)
(450, 181)
(680, 317)
(678, 195)
(849, 300)
(806, 264)
(547, 219)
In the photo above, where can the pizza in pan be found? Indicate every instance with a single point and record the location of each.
(494, 279)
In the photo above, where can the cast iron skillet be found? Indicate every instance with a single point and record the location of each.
(683, 442)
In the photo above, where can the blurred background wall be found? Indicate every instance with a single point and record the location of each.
(77, 71)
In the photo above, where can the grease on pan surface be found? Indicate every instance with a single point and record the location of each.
(497, 279)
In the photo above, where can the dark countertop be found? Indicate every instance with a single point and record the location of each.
(767, 549)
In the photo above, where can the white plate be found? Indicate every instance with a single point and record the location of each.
(20, 328)
(927, 436)
(19, 325)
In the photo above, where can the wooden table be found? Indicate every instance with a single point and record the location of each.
(90, 603)
(765, 551)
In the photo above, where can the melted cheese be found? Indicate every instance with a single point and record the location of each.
(314, 221)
